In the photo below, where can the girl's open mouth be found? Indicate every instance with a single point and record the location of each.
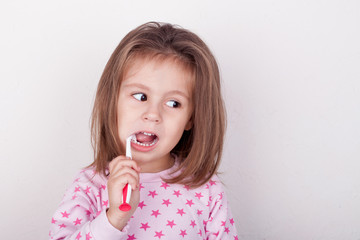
(144, 141)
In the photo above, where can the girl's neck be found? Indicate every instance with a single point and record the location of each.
(150, 167)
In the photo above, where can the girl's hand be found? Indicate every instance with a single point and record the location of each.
(122, 171)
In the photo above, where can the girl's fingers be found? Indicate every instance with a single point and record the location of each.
(121, 162)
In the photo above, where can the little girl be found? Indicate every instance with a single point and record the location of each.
(162, 86)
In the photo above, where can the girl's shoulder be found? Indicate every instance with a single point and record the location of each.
(89, 177)
(212, 187)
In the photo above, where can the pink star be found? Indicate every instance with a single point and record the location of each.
(166, 202)
(231, 221)
(199, 212)
(236, 237)
(180, 211)
(199, 232)
(198, 195)
(155, 213)
(62, 226)
(78, 236)
(170, 223)
(53, 220)
(77, 189)
(189, 202)
(159, 234)
(216, 234)
(131, 237)
(193, 224)
(177, 193)
(77, 221)
(164, 185)
(103, 186)
(223, 223)
(187, 187)
(141, 204)
(65, 214)
(88, 237)
(87, 190)
(105, 203)
(212, 182)
(227, 230)
(152, 193)
(183, 233)
(74, 197)
(144, 226)
(141, 186)
(76, 180)
(220, 195)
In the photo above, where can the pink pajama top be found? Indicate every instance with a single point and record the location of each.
(165, 211)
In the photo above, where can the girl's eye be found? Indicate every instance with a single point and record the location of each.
(140, 96)
(173, 104)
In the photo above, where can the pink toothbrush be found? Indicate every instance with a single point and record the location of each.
(125, 206)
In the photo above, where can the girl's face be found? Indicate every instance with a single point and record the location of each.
(154, 104)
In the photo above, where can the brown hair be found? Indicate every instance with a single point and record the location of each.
(200, 148)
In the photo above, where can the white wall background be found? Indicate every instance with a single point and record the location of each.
(291, 72)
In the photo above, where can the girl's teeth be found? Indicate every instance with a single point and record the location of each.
(145, 144)
(148, 134)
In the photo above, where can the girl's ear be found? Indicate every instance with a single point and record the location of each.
(189, 125)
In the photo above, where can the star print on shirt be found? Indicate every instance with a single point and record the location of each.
(170, 223)
(87, 190)
(164, 185)
(180, 211)
(144, 226)
(78, 236)
(65, 214)
(88, 237)
(183, 233)
(141, 204)
(198, 195)
(159, 234)
(212, 182)
(77, 221)
(166, 202)
(177, 193)
(189, 202)
(152, 193)
(131, 237)
(155, 213)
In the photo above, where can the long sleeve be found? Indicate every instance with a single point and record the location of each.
(165, 211)
(220, 224)
(82, 213)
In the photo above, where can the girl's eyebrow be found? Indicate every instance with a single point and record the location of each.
(142, 86)
(138, 85)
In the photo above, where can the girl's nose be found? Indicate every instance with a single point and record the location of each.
(152, 114)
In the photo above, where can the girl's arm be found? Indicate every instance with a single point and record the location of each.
(221, 223)
(83, 211)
